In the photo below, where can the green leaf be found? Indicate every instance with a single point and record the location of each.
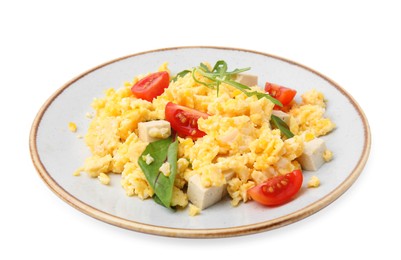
(282, 126)
(220, 74)
(237, 71)
(161, 151)
(204, 67)
(220, 67)
(209, 85)
(157, 200)
(237, 85)
(260, 95)
(180, 74)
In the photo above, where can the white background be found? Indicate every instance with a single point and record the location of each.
(45, 43)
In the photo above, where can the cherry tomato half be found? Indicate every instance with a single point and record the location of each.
(151, 86)
(282, 94)
(277, 190)
(184, 120)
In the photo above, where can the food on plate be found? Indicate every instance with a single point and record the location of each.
(277, 190)
(193, 210)
(283, 94)
(104, 178)
(314, 182)
(151, 86)
(72, 127)
(204, 133)
(312, 156)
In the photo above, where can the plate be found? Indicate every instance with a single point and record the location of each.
(57, 153)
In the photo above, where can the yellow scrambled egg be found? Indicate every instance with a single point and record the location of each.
(238, 137)
(72, 127)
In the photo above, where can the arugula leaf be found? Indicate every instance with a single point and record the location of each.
(219, 74)
(180, 74)
(161, 151)
(237, 85)
(282, 126)
(204, 67)
(260, 95)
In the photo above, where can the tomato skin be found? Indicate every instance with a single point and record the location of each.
(151, 86)
(184, 120)
(282, 94)
(277, 190)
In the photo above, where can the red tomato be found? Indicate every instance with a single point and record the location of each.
(151, 86)
(184, 120)
(277, 190)
(282, 94)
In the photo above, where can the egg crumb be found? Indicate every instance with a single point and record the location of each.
(104, 178)
(78, 171)
(72, 127)
(89, 115)
(164, 67)
(165, 169)
(328, 155)
(314, 97)
(179, 198)
(148, 159)
(314, 182)
(193, 210)
(309, 137)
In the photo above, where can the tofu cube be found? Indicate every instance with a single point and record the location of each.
(154, 130)
(203, 197)
(282, 115)
(247, 79)
(312, 157)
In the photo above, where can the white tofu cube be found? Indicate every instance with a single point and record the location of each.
(282, 115)
(312, 157)
(247, 79)
(203, 197)
(154, 130)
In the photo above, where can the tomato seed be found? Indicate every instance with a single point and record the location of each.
(182, 118)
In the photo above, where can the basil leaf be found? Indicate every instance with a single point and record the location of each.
(161, 151)
(157, 200)
(180, 74)
(282, 126)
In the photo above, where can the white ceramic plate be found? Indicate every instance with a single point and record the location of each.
(57, 153)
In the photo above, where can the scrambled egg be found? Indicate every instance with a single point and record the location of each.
(314, 182)
(193, 210)
(72, 127)
(238, 137)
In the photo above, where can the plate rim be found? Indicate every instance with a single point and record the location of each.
(197, 233)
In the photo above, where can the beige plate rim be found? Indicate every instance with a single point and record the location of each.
(197, 233)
